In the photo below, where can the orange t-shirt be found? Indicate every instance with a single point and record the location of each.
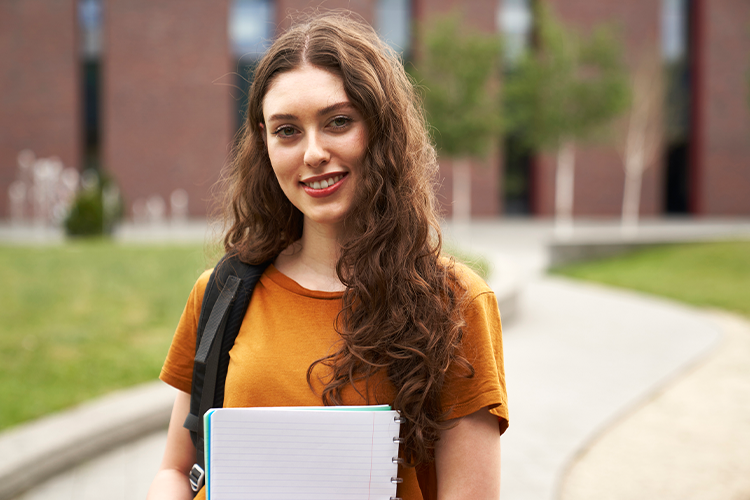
(288, 327)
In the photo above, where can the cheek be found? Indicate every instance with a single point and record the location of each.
(283, 165)
(357, 146)
(285, 181)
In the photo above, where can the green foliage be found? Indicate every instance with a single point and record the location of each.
(706, 274)
(568, 88)
(459, 69)
(96, 207)
(82, 319)
(86, 217)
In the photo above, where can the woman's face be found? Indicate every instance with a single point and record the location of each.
(316, 140)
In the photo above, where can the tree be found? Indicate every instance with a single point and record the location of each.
(641, 134)
(459, 68)
(566, 91)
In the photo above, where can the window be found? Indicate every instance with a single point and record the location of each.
(674, 32)
(90, 27)
(675, 50)
(90, 50)
(514, 20)
(251, 27)
(393, 23)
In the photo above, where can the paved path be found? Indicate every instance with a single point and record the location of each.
(578, 357)
(689, 441)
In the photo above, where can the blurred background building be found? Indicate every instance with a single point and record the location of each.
(153, 93)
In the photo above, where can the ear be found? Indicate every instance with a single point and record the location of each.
(263, 132)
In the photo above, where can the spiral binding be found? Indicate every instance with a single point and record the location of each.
(397, 460)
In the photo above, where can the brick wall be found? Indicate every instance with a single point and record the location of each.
(479, 13)
(39, 85)
(724, 162)
(167, 107)
(290, 9)
(485, 187)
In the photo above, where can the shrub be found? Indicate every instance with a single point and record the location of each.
(96, 207)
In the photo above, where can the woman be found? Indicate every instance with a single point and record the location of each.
(333, 181)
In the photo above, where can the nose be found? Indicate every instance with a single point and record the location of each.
(316, 154)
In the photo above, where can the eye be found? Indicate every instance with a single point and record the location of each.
(340, 122)
(285, 131)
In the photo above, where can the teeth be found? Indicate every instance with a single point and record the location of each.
(325, 183)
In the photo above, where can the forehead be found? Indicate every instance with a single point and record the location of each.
(306, 87)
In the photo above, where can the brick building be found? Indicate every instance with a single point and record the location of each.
(154, 98)
(708, 172)
(39, 85)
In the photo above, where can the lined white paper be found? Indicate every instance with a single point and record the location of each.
(298, 453)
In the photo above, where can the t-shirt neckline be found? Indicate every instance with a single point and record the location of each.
(290, 285)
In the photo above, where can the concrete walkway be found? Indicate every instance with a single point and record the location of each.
(690, 440)
(578, 358)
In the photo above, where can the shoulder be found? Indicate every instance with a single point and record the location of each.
(479, 303)
(195, 301)
(468, 279)
(202, 282)
(221, 273)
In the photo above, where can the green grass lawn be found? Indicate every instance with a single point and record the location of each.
(84, 318)
(704, 274)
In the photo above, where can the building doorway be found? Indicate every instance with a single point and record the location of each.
(517, 177)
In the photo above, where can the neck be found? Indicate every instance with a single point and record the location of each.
(311, 261)
(320, 248)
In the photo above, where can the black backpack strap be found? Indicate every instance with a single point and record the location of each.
(224, 305)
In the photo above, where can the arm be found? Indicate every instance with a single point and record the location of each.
(171, 482)
(467, 459)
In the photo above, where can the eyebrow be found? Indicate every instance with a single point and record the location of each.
(324, 111)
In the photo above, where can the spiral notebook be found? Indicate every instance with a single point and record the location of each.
(302, 453)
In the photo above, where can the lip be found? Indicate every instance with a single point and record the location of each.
(322, 193)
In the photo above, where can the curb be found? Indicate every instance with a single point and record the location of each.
(33, 452)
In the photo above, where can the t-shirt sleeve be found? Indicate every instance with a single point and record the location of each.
(482, 346)
(178, 367)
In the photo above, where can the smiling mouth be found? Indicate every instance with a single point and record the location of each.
(325, 183)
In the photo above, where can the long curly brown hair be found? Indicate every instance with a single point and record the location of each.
(402, 303)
